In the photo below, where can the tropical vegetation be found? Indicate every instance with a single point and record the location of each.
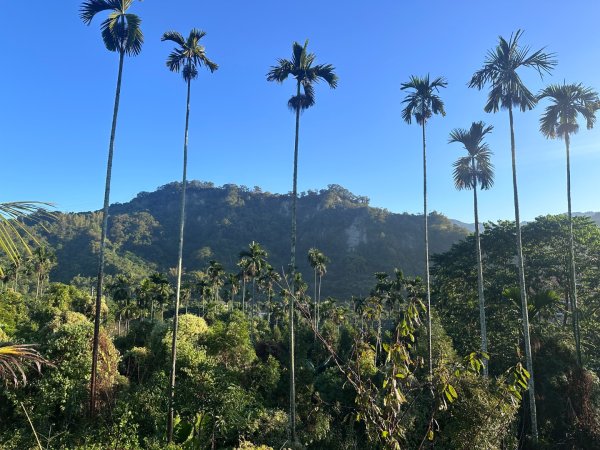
(148, 325)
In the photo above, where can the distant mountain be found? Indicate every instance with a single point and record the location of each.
(595, 216)
(470, 227)
(222, 221)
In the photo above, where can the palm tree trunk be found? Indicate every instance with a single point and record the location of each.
(315, 302)
(37, 287)
(244, 293)
(524, 311)
(480, 279)
(573, 275)
(269, 306)
(16, 285)
(319, 302)
(252, 306)
(100, 280)
(429, 338)
(179, 270)
(293, 273)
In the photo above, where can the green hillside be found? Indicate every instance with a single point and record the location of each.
(221, 221)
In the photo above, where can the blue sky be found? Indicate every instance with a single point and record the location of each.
(58, 85)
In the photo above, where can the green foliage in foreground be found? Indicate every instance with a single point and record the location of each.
(361, 376)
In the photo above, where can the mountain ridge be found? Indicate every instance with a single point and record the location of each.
(222, 220)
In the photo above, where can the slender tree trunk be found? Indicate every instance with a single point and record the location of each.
(319, 302)
(37, 287)
(269, 306)
(378, 346)
(573, 272)
(179, 270)
(522, 288)
(252, 306)
(480, 279)
(100, 280)
(315, 303)
(427, 284)
(244, 293)
(293, 274)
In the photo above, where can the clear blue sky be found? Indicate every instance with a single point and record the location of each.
(58, 85)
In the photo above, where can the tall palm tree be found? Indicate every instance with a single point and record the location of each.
(256, 260)
(41, 260)
(560, 121)
(121, 33)
(269, 278)
(422, 103)
(469, 172)
(243, 264)
(306, 74)
(216, 274)
(318, 261)
(186, 58)
(234, 286)
(507, 92)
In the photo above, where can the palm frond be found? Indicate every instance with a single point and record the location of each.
(298, 52)
(462, 174)
(209, 64)
(195, 35)
(280, 72)
(90, 8)
(135, 38)
(14, 234)
(173, 36)
(175, 60)
(326, 72)
(14, 358)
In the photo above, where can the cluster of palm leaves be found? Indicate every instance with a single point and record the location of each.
(15, 239)
(14, 358)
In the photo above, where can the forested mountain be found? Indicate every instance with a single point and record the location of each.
(222, 221)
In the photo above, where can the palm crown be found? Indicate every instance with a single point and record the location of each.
(189, 55)
(568, 101)
(121, 31)
(318, 261)
(475, 168)
(423, 101)
(301, 67)
(500, 70)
